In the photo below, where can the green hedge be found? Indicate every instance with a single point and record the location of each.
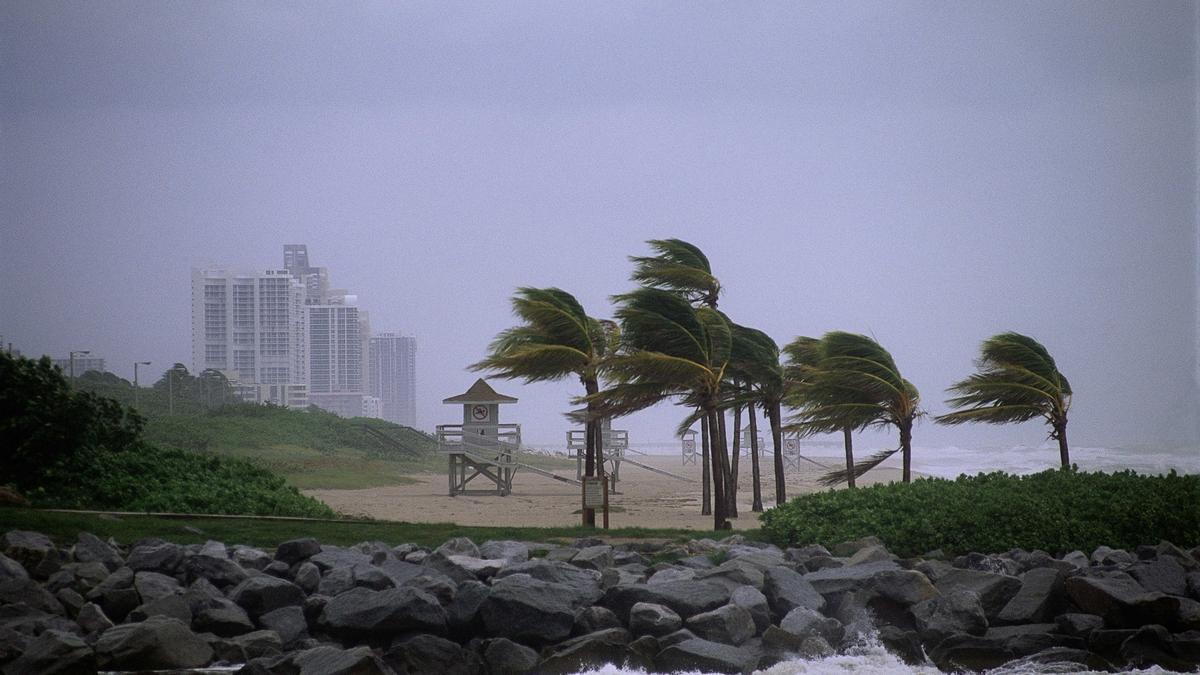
(1056, 511)
(147, 478)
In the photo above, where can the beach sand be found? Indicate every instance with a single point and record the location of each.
(644, 499)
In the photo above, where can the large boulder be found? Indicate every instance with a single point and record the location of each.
(704, 655)
(460, 568)
(685, 598)
(28, 591)
(730, 624)
(221, 571)
(11, 569)
(830, 580)
(803, 623)
(425, 653)
(505, 657)
(297, 550)
(363, 612)
(583, 584)
(594, 618)
(163, 557)
(90, 548)
(54, 652)
(327, 660)
(158, 643)
(1038, 599)
(588, 652)
(528, 610)
(994, 590)
(152, 586)
(961, 652)
(752, 600)
(264, 593)
(786, 589)
(33, 550)
(287, 622)
(951, 613)
(511, 551)
(222, 617)
(458, 546)
(734, 573)
(597, 558)
(1164, 575)
(648, 618)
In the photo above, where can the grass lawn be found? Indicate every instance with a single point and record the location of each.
(268, 533)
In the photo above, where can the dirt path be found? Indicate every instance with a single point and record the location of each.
(644, 499)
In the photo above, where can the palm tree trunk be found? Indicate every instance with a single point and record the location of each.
(720, 461)
(755, 476)
(849, 441)
(1064, 454)
(705, 469)
(906, 448)
(730, 478)
(591, 429)
(774, 415)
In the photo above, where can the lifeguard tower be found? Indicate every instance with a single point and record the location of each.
(746, 448)
(689, 447)
(481, 446)
(613, 444)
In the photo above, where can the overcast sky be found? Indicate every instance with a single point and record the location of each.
(926, 173)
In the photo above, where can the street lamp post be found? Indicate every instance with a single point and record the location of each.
(136, 388)
(71, 360)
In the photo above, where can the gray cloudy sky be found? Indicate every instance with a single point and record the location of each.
(928, 173)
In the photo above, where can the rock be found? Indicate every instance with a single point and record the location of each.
(373, 578)
(987, 563)
(587, 652)
(251, 558)
(954, 612)
(616, 576)
(528, 610)
(438, 586)
(817, 564)
(729, 624)
(174, 606)
(297, 550)
(786, 589)
(595, 618)
(904, 587)
(360, 611)
(685, 598)
(222, 572)
(463, 611)
(326, 660)
(622, 557)
(994, 590)
(969, 652)
(803, 622)
(11, 569)
(222, 617)
(164, 558)
(841, 579)
(255, 645)
(59, 580)
(703, 655)
(647, 618)
(431, 654)
(1164, 575)
(70, 600)
(849, 548)
(28, 591)
(458, 546)
(1152, 646)
(1078, 559)
(675, 638)
(1060, 660)
(510, 551)
(87, 575)
(505, 657)
(157, 643)
(1120, 599)
(1039, 597)
(92, 619)
(261, 594)
(753, 601)
(672, 574)
(734, 573)
(278, 569)
(460, 568)
(1103, 555)
(337, 558)
(596, 558)
(338, 581)
(401, 571)
(1079, 625)
(30, 549)
(152, 586)
(584, 584)
(91, 549)
(307, 577)
(288, 622)
(869, 554)
(905, 644)
(54, 652)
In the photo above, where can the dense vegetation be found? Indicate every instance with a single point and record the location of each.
(63, 447)
(1056, 511)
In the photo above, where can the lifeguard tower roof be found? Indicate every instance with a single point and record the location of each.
(480, 392)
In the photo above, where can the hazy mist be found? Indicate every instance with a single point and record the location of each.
(927, 173)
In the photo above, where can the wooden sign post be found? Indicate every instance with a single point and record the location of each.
(595, 494)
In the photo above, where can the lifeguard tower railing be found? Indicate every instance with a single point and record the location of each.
(493, 456)
(614, 443)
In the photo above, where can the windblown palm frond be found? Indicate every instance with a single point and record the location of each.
(556, 339)
(679, 267)
(860, 467)
(1016, 380)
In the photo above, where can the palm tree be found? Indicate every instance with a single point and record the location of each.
(755, 362)
(1017, 381)
(556, 339)
(670, 350)
(679, 267)
(855, 384)
(803, 354)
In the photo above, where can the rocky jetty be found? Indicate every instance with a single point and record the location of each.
(511, 607)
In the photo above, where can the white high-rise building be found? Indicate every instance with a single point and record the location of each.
(252, 324)
(335, 363)
(393, 376)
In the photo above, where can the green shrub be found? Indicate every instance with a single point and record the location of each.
(1056, 511)
(152, 479)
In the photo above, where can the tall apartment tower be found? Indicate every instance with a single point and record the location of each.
(315, 279)
(335, 358)
(393, 376)
(252, 326)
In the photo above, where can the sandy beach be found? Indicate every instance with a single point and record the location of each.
(643, 499)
